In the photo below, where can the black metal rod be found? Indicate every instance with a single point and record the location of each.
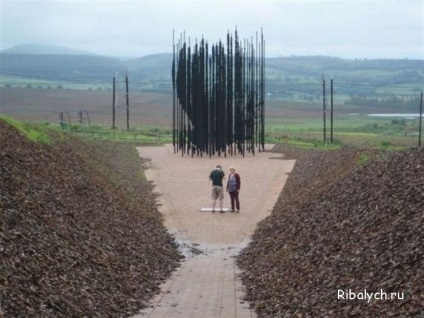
(127, 102)
(323, 108)
(173, 91)
(113, 103)
(332, 110)
(421, 117)
(263, 92)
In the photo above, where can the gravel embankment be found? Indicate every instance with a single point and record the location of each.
(80, 234)
(339, 228)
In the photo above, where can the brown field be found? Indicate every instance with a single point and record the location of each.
(44, 105)
(31, 104)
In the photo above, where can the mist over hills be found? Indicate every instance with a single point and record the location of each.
(286, 77)
(62, 63)
(44, 49)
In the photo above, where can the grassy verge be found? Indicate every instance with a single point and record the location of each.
(304, 134)
(355, 130)
(150, 135)
(35, 133)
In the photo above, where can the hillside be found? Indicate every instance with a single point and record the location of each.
(72, 68)
(80, 233)
(293, 78)
(340, 229)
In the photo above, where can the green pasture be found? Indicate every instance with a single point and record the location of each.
(306, 134)
(38, 83)
(145, 134)
(21, 82)
(401, 89)
(359, 130)
(345, 123)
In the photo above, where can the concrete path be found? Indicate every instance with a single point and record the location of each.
(207, 284)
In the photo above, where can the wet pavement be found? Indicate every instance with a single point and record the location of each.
(207, 284)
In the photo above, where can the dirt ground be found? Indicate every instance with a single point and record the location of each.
(44, 105)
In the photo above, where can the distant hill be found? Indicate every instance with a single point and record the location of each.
(292, 78)
(44, 49)
(150, 67)
(80, 68)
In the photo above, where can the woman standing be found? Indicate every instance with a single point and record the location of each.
(233, 188)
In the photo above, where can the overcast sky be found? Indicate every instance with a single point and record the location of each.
(343, 28)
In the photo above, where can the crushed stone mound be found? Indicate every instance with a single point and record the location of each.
(339, 232)
(80, 235)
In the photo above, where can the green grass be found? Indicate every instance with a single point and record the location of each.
(306, 135)
(146, 134)
(349, 129)
(16, 81)
(306, 143)
(302, 133)
(23, 82)
(363, 158)
(34, 133)
(407, 89)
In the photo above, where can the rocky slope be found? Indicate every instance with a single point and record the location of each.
(338, 229)
(80, 235)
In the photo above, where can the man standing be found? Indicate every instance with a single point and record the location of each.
(217, 188)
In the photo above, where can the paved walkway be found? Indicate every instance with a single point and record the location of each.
(207, 284)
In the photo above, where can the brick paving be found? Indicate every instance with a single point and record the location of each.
(207, 285)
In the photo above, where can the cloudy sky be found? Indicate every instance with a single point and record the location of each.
(133, 28)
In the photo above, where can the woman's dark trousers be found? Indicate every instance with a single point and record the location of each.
(234, 196)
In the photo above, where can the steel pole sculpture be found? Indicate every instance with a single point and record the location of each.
(219, 98)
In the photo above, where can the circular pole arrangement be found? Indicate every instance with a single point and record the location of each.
(218, 96)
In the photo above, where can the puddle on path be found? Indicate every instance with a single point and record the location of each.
(190, 250)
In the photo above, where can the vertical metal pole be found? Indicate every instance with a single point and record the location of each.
(88, 117)
(421, 117)
(113, 104)
(263, 92)
(61, 119)
(69, 120)
(128, 103)
(178, 87)
(332, 108)
(323, 106)
(173, 90)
